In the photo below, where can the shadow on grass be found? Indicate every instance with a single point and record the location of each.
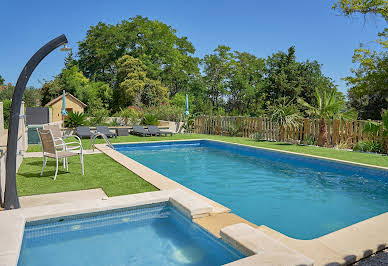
(48, 171)
(46, 174)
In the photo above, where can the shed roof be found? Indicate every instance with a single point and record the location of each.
(70, 96)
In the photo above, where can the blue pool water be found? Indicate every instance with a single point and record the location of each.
(299, 196)
(151, 235)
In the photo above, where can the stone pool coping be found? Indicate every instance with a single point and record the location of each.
(13, 222)
(341, 247)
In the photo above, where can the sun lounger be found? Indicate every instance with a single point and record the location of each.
(154, 130)
(140, 131)
(105, 130)
(83, 131)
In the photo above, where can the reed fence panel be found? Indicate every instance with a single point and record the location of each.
(345, 133)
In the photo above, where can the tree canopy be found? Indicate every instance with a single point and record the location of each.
(142, 62)
(369, 90)
(166, 56)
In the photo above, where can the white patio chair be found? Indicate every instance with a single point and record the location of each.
(50, 150)
(60, 138)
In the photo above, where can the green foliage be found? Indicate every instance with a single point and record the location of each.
(309, 140)
(31, 96)
(258, 137)
(375, 7)
(135, 87)
(189, 123)
(369, 146)
(143, 62)
(368, 91)
(115, 122)
(150, 119)
(246, 84)
(285, 114)
(129, 116)
(1, 80)
(217, 68)
(166, 56)
(75, 119)
(6, 111)
(288, 78)
(50, 90)
(166, 112)
(233, 129)
(327, 105)
(375, 128)
(98, 117)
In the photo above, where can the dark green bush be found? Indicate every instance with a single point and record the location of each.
(150, 119)
(75, 119)
(369, 146)
(309, 140)
(6, 111)
(166, 112)
(258, 137)
(98, 117)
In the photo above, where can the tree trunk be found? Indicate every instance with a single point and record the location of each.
(322, 138)
(281, 133)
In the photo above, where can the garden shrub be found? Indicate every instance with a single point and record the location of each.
(75, 119)
(98, 117)
(6, 112)
(129, 116)
(369, 146)
(309, 140)
(150, 119)
(258, 136)
(167, 112)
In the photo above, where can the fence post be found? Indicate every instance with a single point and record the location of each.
(219, 125)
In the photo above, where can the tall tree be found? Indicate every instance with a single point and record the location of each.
(282, 76)
(1, 80)
(166, 56)
(246, 84)
(217, 69)
(134, 86)
(369, 90)
(288, 78)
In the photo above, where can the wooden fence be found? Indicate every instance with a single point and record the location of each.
(345, 133)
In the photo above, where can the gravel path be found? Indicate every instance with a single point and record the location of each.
(380, 258)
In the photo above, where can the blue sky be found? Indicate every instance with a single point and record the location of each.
(258, 27)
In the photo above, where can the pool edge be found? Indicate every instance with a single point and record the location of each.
(365, 241)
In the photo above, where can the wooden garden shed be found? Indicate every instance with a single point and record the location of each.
(72, 105)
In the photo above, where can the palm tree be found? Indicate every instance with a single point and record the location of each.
(286, 115)
(329, 106)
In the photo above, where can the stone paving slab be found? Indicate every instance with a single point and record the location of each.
(214, 223)
(11, 236)
(61, 197)
(263, 249)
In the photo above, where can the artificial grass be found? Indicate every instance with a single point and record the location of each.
(366, 158)
(100, 172)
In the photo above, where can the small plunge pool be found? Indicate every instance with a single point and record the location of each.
(156, 234)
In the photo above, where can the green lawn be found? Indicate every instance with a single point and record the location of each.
(372, 159)
(100, 172)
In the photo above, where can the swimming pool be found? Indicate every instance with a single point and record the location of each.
(299, 196)
(156, 234)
